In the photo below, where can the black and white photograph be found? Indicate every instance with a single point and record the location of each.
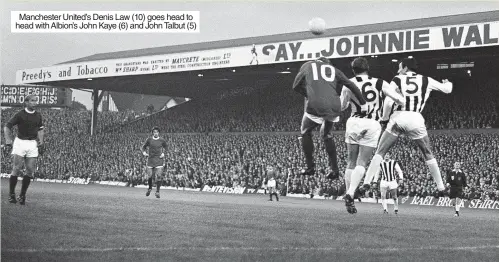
(249, 130)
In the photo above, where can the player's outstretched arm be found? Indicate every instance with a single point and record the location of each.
(390, 90)
(345, 98)
(342, 79)
(445, 86)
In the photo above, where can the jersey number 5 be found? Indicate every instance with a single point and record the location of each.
(409, 83)
(328, 78)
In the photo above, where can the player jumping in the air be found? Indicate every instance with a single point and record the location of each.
(363, 130)
(456, 181)
(408, 120)
(389, 182)
(25, 148)
(155, 159)
(320, 83)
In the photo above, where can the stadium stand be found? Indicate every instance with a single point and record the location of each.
(238, 158)
(231, 159)
(257, 110)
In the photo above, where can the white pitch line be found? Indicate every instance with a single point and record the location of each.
(128, 249)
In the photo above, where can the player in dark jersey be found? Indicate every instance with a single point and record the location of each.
(407, 119)
(25, 148)
(456, 181)
(155, 159)
(321, 83)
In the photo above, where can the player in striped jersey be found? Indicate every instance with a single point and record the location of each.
(363, 129)
(407, 119)
(389, 182)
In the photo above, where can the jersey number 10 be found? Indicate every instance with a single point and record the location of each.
(328, 78)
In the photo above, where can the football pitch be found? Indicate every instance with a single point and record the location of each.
(65, 222)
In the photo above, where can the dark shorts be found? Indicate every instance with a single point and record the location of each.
(456, 192)
(155, 162)
(308, 125)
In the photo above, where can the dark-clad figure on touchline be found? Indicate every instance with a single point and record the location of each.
(26, 147)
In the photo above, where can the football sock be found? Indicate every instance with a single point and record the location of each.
(373, 169)
(348, 178)
(150, 182)
(25, 185)
(435, 173)
(395, 204)
(385, 205)
(158, 185)
(331, 151)
(12, 183)
(357, 175)
(308, 149)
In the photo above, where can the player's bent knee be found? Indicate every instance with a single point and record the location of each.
(428, 155)
(382, 150)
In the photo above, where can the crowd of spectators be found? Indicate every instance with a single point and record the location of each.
(66, 121)
(233, 159)
(242, 159)
(277, 108)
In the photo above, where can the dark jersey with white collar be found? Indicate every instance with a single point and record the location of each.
(28, 124)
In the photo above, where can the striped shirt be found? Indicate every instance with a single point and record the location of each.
(371, 89)
(416, 89)
(388, 169)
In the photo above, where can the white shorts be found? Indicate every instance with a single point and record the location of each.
(407, 123)
(155, 167)
(25, 148)
(357, 126)
(319, 120)
(385, 185)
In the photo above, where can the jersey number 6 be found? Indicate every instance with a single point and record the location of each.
(369, 95)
